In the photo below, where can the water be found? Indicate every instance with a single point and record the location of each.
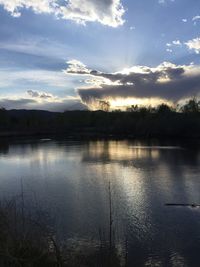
(70, 180)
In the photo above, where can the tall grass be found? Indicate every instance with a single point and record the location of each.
(28, 239)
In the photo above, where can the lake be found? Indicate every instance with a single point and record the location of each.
(70, 179)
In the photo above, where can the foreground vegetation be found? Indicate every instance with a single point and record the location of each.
(163, 121)
(28, 239)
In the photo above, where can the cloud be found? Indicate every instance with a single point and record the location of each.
(38, 6)
(131, 28)
(15, 77)
(35, 46)
(77, 67)
(194, 44)
(176, 42)
(169, 50)
(167, 81)
(58, 105)
(165, 1)
(196, 18)
(172, 44)
(36, 94)
(16, 103)
(63, 105)
(107, 12)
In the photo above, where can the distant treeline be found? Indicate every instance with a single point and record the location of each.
(163, 121)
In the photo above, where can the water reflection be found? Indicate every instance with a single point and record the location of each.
(70, 179)
(117, 151)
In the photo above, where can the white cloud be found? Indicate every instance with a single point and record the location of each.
(132, 28)
(194, 44)
(39, 94)
(176, 42)
(184, 20)
(172, 44)
(15, 6)
(169, 50)
(196, 18)
(165, 1)
(107, 12)
(75, 66)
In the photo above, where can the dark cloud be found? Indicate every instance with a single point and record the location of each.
(167, 81)
(62, 106)
(16, 103)
(173, 91)
(148, 76)
(23, 103)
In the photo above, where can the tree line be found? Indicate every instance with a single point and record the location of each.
(162, 121)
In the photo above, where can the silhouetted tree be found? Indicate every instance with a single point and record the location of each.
(164, 109)
(104, 105)
(4, 119)
(192, 106)
(133, 108)
(136, 121)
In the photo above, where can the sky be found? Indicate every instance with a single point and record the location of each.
(70, 54)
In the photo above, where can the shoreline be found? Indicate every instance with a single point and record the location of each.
(85, 135)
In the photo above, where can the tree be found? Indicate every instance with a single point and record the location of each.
(192, 106)
(133, 108)
(164, 109)
(3, 117)
(104, 105)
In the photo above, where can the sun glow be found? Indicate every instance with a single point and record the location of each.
(123, 104)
